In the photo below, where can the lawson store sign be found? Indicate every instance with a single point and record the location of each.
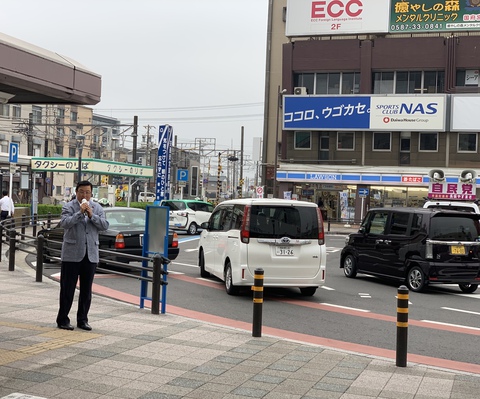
(369, 112)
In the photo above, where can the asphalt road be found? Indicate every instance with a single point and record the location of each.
(443, 322)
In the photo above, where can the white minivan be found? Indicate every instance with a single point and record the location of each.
(285, 238)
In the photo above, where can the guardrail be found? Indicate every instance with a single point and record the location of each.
(152, 269)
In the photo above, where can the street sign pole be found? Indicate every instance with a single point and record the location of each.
(13, 158)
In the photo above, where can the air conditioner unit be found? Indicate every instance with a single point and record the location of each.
(300, 91)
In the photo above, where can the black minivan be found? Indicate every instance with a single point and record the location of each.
(416, 246)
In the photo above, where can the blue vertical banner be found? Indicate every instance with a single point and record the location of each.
(165, 137)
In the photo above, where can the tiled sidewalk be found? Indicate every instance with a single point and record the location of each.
(134, 354)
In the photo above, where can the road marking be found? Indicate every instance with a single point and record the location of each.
(191, 250)
(364, 295)
(460, 310)
(174, 272)
(184, 264)
(331, 250)
(324, 287)
(450, 325)
(344, 307)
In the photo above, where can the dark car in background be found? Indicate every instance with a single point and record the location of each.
(124, 236)
(418, 246)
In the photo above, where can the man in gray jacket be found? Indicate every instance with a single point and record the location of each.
(81, 219)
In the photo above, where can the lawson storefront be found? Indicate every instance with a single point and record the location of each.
(347, 191)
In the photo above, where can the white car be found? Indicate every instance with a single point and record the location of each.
(453, 205)
(187, 215)
(146, 197)
(285, 238)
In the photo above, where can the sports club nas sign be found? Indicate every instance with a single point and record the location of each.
(365, 112)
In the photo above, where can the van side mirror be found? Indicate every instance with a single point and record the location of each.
(204, 225)
(361, 229)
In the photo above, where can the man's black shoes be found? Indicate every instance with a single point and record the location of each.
(84, 326)
(66, 326)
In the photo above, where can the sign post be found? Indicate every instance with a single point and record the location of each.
(13, 159)
(362, 193)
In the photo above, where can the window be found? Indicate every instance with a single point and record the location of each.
(405, 142)
(60, 131)
(378, 222)
(72, 152)
(73, 133)
(467, 142)
(337, 83)
(73, 116)
(428, 142)
(303, 140)
(16, 111)
(403, 82)
(60, 113)
(382, 141)
(4, 110)
(305, 80)
(329, 83)
(59, 150)
(36, 114)
(324, 146)
(383, 82)
(399, 223)
(345, 141)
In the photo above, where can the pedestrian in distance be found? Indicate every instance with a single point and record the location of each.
(81, 219)
(6, 206)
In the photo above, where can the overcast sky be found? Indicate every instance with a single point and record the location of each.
(198, 65)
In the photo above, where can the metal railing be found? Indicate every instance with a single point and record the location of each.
(152, 269)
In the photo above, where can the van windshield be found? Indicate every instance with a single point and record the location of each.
(445, 227)
(296, 222)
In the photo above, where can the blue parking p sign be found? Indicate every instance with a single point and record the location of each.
(182, 175)
(13, 153)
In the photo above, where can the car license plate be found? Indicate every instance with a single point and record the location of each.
(284, 251)
(457, 250)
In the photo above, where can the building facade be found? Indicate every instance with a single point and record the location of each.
(329, 57)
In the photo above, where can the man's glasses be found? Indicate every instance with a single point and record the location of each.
(84, 192)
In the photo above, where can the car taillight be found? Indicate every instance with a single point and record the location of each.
(175, 240)
(119, 241)
(321, 231)
(182, 214)
(245, 230)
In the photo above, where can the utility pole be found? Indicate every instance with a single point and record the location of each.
(240, 181)
(134, 153)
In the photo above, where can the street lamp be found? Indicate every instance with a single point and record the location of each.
(80, 140)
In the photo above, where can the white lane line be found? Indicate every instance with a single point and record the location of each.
(461, 310)
(451, 325)
(344, 307)
(184, 264)
(190, 250)
(364, 295)
(324, 287)
(173, 272)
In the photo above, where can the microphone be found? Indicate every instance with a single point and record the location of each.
(84, 201)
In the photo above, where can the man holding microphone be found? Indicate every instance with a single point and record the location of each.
(81, 219)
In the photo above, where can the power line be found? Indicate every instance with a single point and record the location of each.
(193, 108)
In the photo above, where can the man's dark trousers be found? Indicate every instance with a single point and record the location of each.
(68, 280)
